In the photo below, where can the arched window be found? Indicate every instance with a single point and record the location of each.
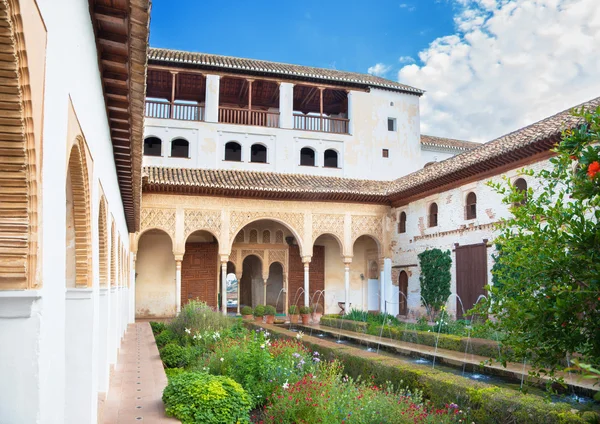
(521, 186)
(279, 237)
(180, 148)
(471, 208)
(266, 238)
(253, 236)
(152, 146)
(330, 159)
(240, 237)
(402, 223)
(233, 151)
(258, 153)
(433, 215)
(307, 157)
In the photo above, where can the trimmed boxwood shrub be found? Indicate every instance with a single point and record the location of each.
(489, 404)
(359, 327)
(157, 327)
(270, 310)
(246, 310)
(194, 397)
(166, 336)
(259, 311)
(175, 356)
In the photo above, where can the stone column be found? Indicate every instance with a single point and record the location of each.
(211, 104)
(286, 105)
(239, 293)
(381, 286)
(224, 260)
(347, 262)
(178, 260)
(306, 262)
(264, 291)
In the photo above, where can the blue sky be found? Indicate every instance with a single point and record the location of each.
(348, 35)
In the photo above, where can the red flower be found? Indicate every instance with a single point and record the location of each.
(593, 169)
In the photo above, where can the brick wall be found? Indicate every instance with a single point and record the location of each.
(199, 273)
(296, 274)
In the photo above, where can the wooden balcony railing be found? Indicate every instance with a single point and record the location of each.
(230, 115)
(182, 112)
(323, 124)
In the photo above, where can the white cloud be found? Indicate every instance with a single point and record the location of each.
(509, 64)
(407, 7)
(379, 69)
(406, 59)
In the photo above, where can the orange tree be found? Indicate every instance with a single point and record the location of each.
(547, 293)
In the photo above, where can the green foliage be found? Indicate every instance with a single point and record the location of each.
(435, 279)
(195, 317)
(293, 310)
(259, 311)
(546, 292)
(246, 310)
(157, 327)
(194, 397)
(269, 310)
(176, 356)
(305, 310)
(172, 372)
(166, 336)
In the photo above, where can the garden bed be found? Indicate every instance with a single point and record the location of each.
(487, 403)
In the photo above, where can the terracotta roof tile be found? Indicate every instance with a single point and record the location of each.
(449, 143)
(275, 68)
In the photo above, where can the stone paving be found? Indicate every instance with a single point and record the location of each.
(137, 382)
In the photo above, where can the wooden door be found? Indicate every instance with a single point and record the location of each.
(199, 273)
(403, 293)
(471, 275)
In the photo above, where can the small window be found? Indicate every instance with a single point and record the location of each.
(266, 236)
(433, 215)
(385, 153)
(471, 208)
(152, 146)
(391, 103)
(391, 124)
(258, 153)
(521, 186)
(307, 157)
(180, 148)
(402, 223)
(279, 237)
(240, 237)
(233, 151)
(253, 236)
(330, 159)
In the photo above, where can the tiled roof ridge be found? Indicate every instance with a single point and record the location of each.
(160, 54)
(446, 142)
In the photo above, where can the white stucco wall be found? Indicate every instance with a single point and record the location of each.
(33, 327)
(359, 153)
(452, 228)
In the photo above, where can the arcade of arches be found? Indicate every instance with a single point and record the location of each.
(259, 252)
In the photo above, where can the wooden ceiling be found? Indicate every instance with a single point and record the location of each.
(121, 29)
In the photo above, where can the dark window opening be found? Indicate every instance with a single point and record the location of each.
(307, 157)
(471, 206)
(152, 146)
(330, 159)
(433, 215)
(258, 153)
(521, 186)
(233, 151)
(402, 223)
(385, 153)
(391, 124)
(180, 148)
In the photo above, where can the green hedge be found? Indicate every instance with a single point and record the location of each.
(488, 404)
(481, 347)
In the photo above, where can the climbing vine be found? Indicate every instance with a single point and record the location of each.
(435, 279)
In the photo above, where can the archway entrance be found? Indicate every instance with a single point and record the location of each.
(327, 251)
(275, 286)
(155, 268)
(365, 260)
(200, 269)
(403, 293)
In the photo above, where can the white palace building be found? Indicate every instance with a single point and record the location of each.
(133, 179)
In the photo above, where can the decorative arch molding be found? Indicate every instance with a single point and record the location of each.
(78, 171)
(18, 164)
(139, 235)
(293, 221)
(103, 243)
(196, 220)
(331, 224)
(162, 219)
(370, 225)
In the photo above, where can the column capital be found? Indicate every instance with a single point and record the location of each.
(224, 259)
(347, 260)
(178, 257)
(306, 259)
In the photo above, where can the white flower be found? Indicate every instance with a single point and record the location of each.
(222, 359)
(187, 330)
(268, 342)
(262, 346)
(267, 334)
(286, 385)
(299, 335)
